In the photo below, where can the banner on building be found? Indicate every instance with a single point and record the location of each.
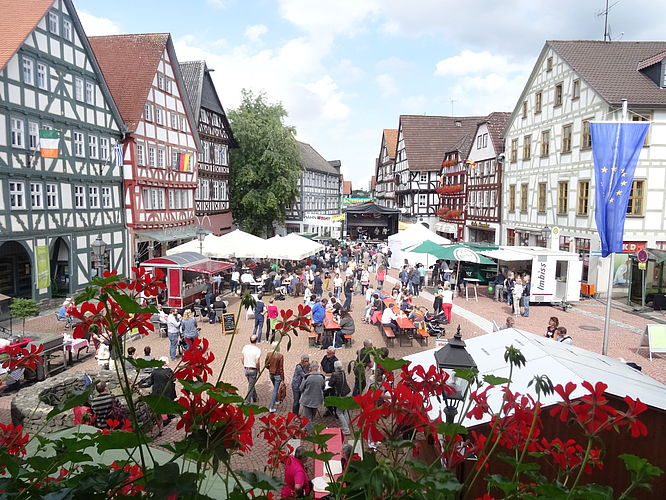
(616, 147)
(322, 219)
(43, 266)
(349, 202)
(338, 217)
(48, 143)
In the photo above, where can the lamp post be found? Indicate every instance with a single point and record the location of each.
(99, 251)
(201, 234)
(449, 358)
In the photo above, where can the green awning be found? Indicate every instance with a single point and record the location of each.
(451, 252)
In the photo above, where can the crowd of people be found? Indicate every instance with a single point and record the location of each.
(514, 288)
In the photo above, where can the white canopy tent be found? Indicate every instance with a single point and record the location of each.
(234, 244)
(291, 247)
(562, 363)
(410, 237)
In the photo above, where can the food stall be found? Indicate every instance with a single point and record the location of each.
(186, 276)
(555, 275)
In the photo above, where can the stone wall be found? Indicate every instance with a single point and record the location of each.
(32, 404)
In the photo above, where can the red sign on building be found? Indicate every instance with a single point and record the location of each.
(633, 246)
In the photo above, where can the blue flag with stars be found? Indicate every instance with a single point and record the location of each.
(615, 147)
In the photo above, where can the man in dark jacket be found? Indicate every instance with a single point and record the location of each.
(363, 363)
(349, 292)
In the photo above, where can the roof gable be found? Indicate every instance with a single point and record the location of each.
(19, 18)
(391, 141)
(312, 160)
(497, 122)
(136, 55)
(428, 138)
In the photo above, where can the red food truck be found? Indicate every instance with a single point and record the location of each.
(186, 276)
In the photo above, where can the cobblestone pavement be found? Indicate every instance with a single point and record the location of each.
(624, 341)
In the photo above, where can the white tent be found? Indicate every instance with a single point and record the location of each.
(234, 244)
(410, 237)
(561, 362)
(291, 247)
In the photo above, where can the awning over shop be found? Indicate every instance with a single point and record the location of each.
(210, 267)
(505, 255)
(189, 261)
(167, 235)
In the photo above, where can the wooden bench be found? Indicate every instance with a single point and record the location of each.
(312, 339)
(422, 336)
(349, 339)
(388, 333)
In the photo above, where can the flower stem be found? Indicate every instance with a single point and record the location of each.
(582, 467)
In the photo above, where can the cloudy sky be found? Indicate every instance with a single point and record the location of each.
(346, 69)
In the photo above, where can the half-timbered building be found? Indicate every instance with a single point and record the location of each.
(548, 174)
(212, 195)
(161, 144)
(453, 191)
(484, 181)
(59, 193)
(421, 145)
(319, 198)
(384, 171)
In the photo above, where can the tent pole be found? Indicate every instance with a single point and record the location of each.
(609, 298)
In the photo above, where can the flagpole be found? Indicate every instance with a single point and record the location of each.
(611, 258)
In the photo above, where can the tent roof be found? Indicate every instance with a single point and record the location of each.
(370, 208)
(562, 363)
(183, 259)
(457, 252)
(415, 234)
(516, 253)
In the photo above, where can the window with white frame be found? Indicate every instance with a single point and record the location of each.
(67, 30)
(146, 199)
(205, 151)
(151, 156)
(223, 190)
(18, 140)
(28, 71)
(90, 92)
(79, 197)
(52, 196)
(216, 190)
(167, 85)
(33, 135)
(148, 112)
(160, 82)
(224, 155)
(174, 121)
(174, 158)
(93, 196)
(160, 158)
(205, 189)
(78, 89)
(104, 148)
(140, 153)
(182, 123)
(159, 114)
(153, 199)
(106, 197)
(16, 195)
(54, 25)
(93, 151)
(42, 76)
(36, 195)
(78, 144)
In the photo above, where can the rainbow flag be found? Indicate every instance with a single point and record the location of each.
(48, 143)
(472, 164)
(184, 162)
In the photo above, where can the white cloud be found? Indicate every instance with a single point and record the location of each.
(470, 63)
(415, 105)
(386, 84)
(255, 32)
(218, 4)
(324, 18)
(331, 105)
(98, 26)
(346, 70)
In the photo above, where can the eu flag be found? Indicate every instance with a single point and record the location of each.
(615, 147)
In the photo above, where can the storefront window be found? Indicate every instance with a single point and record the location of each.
(565, 243)
(510, 237)
(583, 249)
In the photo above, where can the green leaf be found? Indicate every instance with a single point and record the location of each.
(140, 363)
(502, 483)
(10, 462)
(77, 398)
(391, 364)
(513, 356)
(162, 405)
(128, 304)
(468, 374)
(347, 403)
(195, 386)
(117, 440)
(261, 481)
(225, 398)
(451, 429)
(85, 296)
(324, 456)
(60, 494)
(317, 437)
(493, 380)
(256, 409)
(593, 492)
(166, 480)
(102, 281)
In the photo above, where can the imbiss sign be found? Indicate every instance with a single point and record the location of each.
(543, 279)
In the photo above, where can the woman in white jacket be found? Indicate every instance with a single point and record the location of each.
(517, 294)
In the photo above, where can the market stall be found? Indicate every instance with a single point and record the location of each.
(370, 221)
(555, 275)
(186, 276)
(414, 234)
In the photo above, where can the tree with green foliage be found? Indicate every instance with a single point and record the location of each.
(23, 308)
(265, 167)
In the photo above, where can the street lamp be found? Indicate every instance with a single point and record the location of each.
(545, 233)
(449, 358)
(99, 251)
(201, 234)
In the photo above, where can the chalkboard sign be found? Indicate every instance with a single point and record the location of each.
(654, 338)
(228, 323)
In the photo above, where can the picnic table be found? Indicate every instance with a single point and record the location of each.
(321, 478)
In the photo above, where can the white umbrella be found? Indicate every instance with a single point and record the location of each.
(234, 244)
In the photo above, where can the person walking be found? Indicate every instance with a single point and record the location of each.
(381, 276)
(312, 394)
(337, 285)
(300, 371)
(318, 285)
(498, 283)
(173, 332)
(188, 325)
(259, 308)
(525, 298)
(365, 280)
(235, 281)
(250, 357)
(517, 294)
(338, 383)
(349, 293)
(414, 281)
(447, 301)
(275, 365)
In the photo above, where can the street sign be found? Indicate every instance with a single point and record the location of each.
(642, 255)
(642, 266)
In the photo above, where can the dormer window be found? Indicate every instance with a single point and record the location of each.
(458, 123)
(663, 74)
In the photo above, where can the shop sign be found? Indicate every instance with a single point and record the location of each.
(43, 267)
(632, 246)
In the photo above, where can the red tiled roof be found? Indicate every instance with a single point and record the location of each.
(497, 122)
(611, 68)
(391, 138)
(18, 18)
(346, 187)
(428, 138)
(129, 63)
